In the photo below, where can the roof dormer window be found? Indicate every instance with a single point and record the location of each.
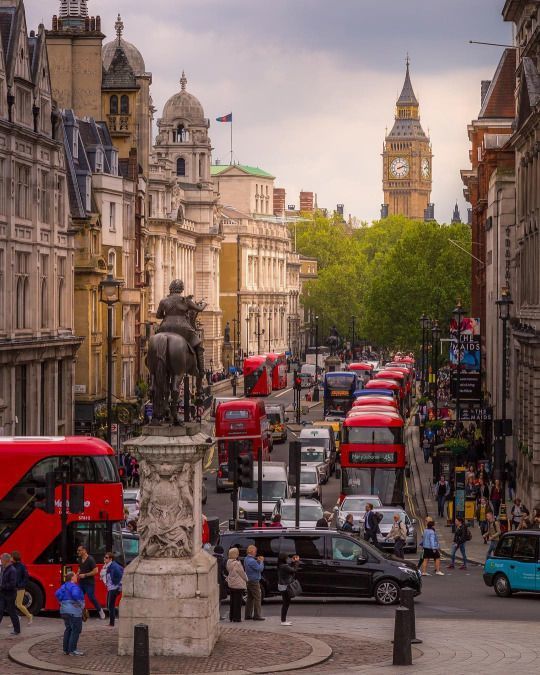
(99, 161)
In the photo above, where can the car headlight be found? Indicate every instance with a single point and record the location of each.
(241, 513)
(408, 570)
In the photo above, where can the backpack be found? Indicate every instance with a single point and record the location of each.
(378, 517)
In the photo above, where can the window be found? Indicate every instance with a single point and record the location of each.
(96, 368)
(23, 105)
(22, 196)
(2, 291)
(22, 283)
(266, 546)
(21, 400)
(180, 166)
(111, 261)
(3, 182)
(525, 547)
(43, 196)
(44, 291)
(61, 291)
(345, 549)
(126, 379)
(308, 548)
(60, 402)
(373, 435)
(94, 318)
(61, 202)
(113, 105)
(504, 549)
(112, 217)
(45, 116)
(42, 397)
(124, 105)
(99, 161)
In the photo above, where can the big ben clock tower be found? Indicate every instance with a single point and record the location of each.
(406, 160)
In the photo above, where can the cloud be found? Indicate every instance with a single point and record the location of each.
(312, 84)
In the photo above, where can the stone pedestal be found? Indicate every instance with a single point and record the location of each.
(332, 363)
(172, 585)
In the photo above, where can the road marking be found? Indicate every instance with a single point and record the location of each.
(282, 393)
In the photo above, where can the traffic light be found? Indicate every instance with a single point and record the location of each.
(45, 497)
(297, 380)
(244, 470)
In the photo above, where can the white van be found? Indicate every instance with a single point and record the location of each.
(308, 374)
(275, 486)
(318, 446)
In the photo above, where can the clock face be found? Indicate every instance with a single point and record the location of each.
(425, 168)
(399, 167)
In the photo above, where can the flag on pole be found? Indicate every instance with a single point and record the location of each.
(225, 118)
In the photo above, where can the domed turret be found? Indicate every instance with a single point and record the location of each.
(133, 55)
(183, 106)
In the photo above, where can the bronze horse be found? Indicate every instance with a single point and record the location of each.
(169, 359)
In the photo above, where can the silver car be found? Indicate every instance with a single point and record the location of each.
(356, 505)
(310, 512)
(384, 542)
(310, 482)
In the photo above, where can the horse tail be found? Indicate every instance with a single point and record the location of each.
(158, 357)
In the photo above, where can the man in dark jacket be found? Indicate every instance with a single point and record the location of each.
(371, 525)
(8, 592)
(461, 537)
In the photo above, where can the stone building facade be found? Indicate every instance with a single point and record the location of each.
(260, 275)
(37, 341)
(184, 236)
(407, 158)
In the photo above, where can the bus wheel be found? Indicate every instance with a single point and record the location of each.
(33, 598)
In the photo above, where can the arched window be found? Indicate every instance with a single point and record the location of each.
(112, 261)
(113, 105)
(44, 302)
(124, 105)
(180, 166)
(21, 299)
(180, 133)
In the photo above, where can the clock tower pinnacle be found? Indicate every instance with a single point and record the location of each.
(407, 159)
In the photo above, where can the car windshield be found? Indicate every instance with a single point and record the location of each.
(388, 517)
(307, 512)
(308, 477)
(274, 418)
(272, 491)
(355, 504)
(310, 455)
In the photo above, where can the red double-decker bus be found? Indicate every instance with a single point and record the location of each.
(278, 364)
(257, 376)
(373, 456)
(246, 423)
(30, 467)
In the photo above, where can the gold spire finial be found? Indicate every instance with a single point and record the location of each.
(119, 28)
(183, 81)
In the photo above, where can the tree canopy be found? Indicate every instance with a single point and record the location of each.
(386, 275)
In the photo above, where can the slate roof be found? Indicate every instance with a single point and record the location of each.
(499, 101)
(407, 97)
(407, 128)
(120, 74)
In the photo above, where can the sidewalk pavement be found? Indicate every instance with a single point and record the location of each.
(422, 474)
(336, 646)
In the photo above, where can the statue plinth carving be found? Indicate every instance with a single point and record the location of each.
(172, 584)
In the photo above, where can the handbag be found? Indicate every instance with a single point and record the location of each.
(85, 614)
(294, 589)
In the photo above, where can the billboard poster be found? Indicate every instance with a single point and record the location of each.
(469, 347)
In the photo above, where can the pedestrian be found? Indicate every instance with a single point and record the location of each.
(276, 520)
(496, 496)
(462, 535)
(237, 583)
(286, 575)
(219, 555)
(254, 566)
(371, 525)
(525, 519)
(324, 522)
(71, 599)
(398, 533)
(492, 534)
(8, 592)
(427, 520)
(87, 577)
(516, 513)
(22, 580)
(426, 447)
(482, 490)
(348, 525)
(430, 544)
(471, 489)
(442, 490)
(535, 523)
(111, 574)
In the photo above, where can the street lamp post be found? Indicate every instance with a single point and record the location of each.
(458, 314)
(235, 344)
(424, 322)
(436, 331)
(269, 332)
(109, 294)
(503, 305)
(316, 388)
(258, 332)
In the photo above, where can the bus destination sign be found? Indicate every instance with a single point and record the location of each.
(372, 457)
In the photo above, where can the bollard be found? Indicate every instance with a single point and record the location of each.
(141, 650)
(406, 599)
(402, 638)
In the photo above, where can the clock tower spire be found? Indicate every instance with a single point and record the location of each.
(406, 158)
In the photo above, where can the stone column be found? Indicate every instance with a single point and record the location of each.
(172, 585)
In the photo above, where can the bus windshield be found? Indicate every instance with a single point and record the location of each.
(387, 484)
(339, 381)
(373, 435)
(271, 492)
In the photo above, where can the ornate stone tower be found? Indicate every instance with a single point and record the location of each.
(406, 160)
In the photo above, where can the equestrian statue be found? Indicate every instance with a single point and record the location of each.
(175, 350)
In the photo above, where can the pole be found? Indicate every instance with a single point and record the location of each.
(435, 373)
(500, 440)
(233, 452)
(231, 144)
(260, 516)
(63, 520)
(423, 366)
(238, 285)
(141, 650)
(234, 342)
(269, 333)
(109, 371)
(458, 373)
(258, 333)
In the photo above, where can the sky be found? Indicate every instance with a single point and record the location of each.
(312, 84)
